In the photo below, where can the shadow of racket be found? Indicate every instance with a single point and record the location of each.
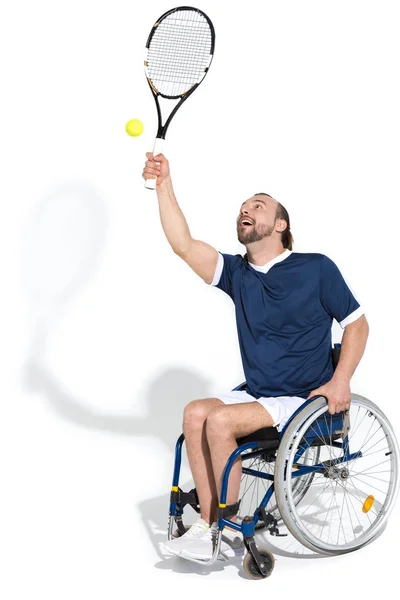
(61, 250)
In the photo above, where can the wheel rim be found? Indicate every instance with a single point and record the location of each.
(347, 503)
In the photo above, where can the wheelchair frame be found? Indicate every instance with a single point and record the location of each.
(259, 563)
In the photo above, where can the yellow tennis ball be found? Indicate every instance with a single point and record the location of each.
(134, 127)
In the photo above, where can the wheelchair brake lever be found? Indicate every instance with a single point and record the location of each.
(346, 423)
(270, 523)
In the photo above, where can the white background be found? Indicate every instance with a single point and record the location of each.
(106, 334)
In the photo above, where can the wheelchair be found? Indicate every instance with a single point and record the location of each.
(332, 480)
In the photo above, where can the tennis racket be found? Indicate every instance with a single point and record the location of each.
(179, 52)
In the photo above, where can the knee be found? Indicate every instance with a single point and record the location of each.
(219, 424)
(194, 415)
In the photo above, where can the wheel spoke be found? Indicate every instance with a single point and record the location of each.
(347, 502)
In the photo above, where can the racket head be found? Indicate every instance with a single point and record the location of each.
(179, 51)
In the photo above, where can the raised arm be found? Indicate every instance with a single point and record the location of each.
(201, 257)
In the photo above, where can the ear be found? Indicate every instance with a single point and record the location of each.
(281, 225)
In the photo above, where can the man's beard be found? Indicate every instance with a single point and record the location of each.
(253, 234)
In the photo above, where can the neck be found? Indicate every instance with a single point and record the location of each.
(260, 256)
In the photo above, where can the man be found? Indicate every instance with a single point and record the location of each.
(284, 303)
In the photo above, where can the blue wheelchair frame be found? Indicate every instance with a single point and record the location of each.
(336, 422)
(247, 526)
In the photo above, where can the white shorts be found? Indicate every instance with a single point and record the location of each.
(280, 409)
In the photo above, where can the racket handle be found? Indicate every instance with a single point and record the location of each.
(150, 184)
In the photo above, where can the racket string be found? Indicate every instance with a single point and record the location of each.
(179, 52)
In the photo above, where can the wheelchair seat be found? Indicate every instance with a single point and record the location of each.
(267, 437)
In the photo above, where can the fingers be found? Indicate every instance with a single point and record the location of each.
(344, 405)
(151, 167)
(155, 166)
(157, 157)
(151, 164)
(335, 407)
(150, 172)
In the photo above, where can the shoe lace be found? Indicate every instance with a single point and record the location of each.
(210, 534)
(195, 529)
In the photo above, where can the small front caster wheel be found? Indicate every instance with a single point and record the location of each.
(251, 568)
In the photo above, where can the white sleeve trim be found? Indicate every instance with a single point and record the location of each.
(218, 269)
(352, 317)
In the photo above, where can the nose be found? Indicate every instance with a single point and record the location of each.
(243, 213)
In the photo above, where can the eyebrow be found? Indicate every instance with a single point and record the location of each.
(262, 201)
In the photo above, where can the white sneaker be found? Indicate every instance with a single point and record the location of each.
(202, 547)
(199, 528)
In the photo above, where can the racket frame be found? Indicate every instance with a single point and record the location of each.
(162, 129)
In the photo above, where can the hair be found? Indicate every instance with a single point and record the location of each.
(282, 213)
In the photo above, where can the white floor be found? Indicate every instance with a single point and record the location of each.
(85, 504)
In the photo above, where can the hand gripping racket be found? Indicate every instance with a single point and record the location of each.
(180, 48)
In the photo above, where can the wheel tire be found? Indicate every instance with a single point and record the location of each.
(289, 516)
(250, 565)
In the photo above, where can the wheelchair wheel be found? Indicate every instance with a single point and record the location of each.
(355, 483)
(253, 489)
(251, 568)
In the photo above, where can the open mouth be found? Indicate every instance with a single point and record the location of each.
(246, 224)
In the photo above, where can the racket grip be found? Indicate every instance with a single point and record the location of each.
(150, 184)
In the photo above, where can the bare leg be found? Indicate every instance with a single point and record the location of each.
(224, 425)
(194, 429)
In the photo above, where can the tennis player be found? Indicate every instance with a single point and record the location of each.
(285, 303)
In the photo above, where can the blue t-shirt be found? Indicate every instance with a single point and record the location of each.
(284, 312)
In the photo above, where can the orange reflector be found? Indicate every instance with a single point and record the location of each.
(368, 504)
